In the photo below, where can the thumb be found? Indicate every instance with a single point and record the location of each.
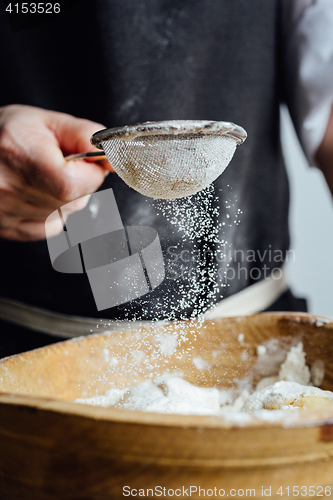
(65, 134)
(73, 134)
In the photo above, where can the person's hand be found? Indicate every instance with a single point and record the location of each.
(35, 179)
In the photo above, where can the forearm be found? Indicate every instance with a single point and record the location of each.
(324, 154)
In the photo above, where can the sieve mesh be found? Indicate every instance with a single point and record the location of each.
(170, 166)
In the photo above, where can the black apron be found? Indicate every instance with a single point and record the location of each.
(158, 60)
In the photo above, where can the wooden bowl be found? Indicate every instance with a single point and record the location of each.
(52, 448)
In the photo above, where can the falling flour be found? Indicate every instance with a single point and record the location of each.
(199, 279)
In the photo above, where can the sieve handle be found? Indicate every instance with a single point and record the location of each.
(93, 154)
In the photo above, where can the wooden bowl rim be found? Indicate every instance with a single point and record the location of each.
(308, 417)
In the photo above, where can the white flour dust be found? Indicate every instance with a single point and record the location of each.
(195, 216)
(290, 389)
(192, 268)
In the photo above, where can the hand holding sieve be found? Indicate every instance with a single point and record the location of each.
(169, 159)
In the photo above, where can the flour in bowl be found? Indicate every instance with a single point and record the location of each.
(291, 389)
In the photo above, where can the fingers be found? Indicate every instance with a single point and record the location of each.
(14, 227)
(66, 181)
(79, 177)
(31, 147)
(35, 208)
(73, 134)
(26, 230)
(35, 179)
(30, 230)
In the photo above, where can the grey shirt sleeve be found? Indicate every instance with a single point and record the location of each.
(308, 68)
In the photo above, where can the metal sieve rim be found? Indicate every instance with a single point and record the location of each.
(170, 127)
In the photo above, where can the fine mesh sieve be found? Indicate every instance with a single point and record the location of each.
(170, 159)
